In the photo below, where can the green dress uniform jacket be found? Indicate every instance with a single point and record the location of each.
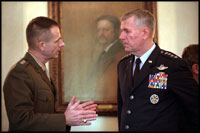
(154, 102)
(30, 98)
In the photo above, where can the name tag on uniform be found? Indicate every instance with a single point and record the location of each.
(158, 81)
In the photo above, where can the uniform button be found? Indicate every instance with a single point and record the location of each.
(131, 97)
(128, 112)
(127, 127)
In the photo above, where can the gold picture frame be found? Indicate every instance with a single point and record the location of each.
(77, 27)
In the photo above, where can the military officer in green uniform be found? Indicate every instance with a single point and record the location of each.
(29, 92)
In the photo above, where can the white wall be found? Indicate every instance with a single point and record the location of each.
(15, 17)
(177, 27)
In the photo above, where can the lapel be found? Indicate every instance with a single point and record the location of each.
(54, 90)
(38, 69)
(147, 67)
(128, 75)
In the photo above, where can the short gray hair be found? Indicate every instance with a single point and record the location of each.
(142, 17)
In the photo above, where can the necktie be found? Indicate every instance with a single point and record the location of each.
(137, 69)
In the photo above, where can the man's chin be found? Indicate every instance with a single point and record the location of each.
(102, 41)
(127, 50)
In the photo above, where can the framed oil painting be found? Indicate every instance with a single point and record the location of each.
(87, 64)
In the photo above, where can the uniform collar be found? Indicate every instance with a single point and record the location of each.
(145, 56)
(38, 62)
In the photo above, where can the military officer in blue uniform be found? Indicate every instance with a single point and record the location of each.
(153, 100)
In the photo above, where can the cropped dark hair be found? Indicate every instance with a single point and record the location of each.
(191, 54)
(39, 28)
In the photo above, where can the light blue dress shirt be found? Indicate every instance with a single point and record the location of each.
(144, 57)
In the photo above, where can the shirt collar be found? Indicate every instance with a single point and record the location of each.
(38, 62)
(145, 56)
(109, 46)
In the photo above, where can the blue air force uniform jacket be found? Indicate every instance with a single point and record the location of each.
(163, 88)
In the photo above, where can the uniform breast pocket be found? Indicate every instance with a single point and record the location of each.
(157, 97)
(44, 101)
(43, 96)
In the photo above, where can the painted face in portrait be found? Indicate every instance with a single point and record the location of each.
(105, 32)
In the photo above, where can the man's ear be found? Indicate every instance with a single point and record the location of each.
(145, 32)
(41, 45)
(195, 68)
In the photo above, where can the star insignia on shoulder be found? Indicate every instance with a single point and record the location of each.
(170, 54)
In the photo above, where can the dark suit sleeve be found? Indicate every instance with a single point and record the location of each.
(186, 90)
(19, 101)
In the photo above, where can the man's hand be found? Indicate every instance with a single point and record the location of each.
(78, 114)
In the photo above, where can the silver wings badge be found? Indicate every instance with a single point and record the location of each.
(162, 67)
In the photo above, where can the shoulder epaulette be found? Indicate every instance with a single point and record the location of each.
(169, 54)
(22, 63)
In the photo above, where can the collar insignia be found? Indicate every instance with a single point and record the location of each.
(22, 62)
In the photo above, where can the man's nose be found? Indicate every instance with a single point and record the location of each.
(100, 32)
(62, 44)
(121, 37)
